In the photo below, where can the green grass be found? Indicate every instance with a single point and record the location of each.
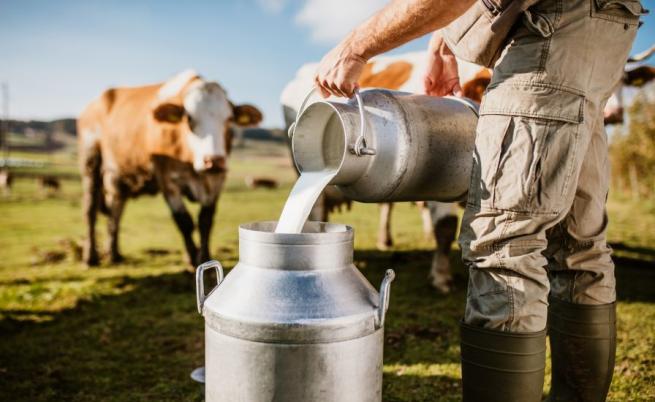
(131, 332)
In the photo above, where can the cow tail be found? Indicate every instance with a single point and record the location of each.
(92, 168)
(98, 188)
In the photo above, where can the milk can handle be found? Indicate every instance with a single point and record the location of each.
(384, 296)
(200, 284)
(359, 148)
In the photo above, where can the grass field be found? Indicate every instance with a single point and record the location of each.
(131, 332)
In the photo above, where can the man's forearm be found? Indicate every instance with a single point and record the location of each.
(401, 21)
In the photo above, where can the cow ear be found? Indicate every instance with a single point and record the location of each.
(246, 115)
(169, 113)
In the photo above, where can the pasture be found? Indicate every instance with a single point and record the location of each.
(131, 332)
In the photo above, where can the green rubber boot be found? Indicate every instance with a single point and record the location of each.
(583, 346)
(502, 366)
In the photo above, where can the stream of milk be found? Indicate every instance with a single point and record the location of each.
(301, 200)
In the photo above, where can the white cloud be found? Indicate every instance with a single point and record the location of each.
(330, 20)
(272, 6)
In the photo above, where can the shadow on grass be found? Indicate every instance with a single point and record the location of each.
(643, 253)
(422, 325)
(635, 279)
(142, 343)
(403, 388)
(139, 345)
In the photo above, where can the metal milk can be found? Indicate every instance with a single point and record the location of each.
(388, 145)
(294, 321)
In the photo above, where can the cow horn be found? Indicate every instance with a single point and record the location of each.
(642, 56)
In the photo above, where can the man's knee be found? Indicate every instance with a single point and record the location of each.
(504, 300)
(581, 269)
(584, 287)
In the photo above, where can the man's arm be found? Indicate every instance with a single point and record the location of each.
(394, 25)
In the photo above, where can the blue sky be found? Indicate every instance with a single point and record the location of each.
(58, 55)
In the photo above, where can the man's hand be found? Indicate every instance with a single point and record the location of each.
(397, 23)
(339, 72)
(441, 76)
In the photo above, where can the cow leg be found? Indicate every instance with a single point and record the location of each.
(184, 223)
(116, 206)
(92, 191)
(445, 230)
(426, 220)
(384, 229)
(205, 223)
(114, 203)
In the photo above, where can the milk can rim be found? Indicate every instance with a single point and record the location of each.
(263, 231)
(335, 106)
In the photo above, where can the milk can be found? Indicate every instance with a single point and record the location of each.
(388, 145)
(294, 320)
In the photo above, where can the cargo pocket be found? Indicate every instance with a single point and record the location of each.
(538, 23)
(527, 149)
(619, 11)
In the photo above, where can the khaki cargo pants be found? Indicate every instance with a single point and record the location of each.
(535, 219)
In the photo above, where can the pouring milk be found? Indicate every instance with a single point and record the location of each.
(325, 159)
(304, 194)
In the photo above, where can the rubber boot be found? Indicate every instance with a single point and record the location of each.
(502, 366)
(583, 346)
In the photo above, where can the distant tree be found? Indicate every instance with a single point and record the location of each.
(632, 150)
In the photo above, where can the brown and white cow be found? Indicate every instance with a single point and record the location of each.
(404, 72)
(172, 137)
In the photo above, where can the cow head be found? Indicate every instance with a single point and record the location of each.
(197, 115)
